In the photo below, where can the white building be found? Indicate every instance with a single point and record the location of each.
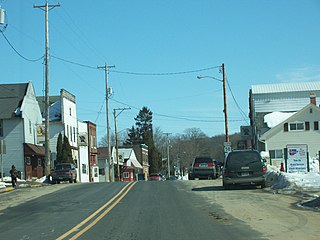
(83, 163)
(282, 97)
(19, 117)
(63, 119)
(301, 128)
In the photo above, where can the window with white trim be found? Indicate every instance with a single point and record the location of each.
(125, 175)
(297, 126)
(277, 153)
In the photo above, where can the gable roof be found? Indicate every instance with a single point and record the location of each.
(285, 87)
(279, 127)
(11, 97)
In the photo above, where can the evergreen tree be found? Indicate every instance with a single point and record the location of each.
(133, 137)
(59, 149)
(66, 153)
(143, 133)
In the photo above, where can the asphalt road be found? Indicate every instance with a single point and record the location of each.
(152, 210)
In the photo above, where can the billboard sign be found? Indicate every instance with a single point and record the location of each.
(297, 158)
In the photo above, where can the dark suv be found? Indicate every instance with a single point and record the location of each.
(64, 172)
(204, 168)
(244, 167)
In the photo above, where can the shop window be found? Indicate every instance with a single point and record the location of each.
(125, 175)
(275, 153)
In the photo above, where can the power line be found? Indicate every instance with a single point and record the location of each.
(137, 73)
(74, 63)
(176, 117)
(16, 51)
(239, 108)
(164, 73)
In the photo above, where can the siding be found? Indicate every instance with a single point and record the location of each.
(13, 136)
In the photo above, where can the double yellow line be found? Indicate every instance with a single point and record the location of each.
(103, 211)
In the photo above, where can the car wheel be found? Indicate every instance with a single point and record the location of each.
(75, 180)
(263, 185)
(70, 180)
(58, 182)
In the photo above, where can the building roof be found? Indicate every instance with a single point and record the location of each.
(11, 97)
(285, 87)
(293, 117)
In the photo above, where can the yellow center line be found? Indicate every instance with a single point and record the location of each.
(77, 227)
(102, 214)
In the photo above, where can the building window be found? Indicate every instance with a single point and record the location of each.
(70, 134)
(296, 126)
(30, 127)
(285, 127)
(39, 161)
(125, 175)
(84, 168)
(74, 134)
(70, 111)
(316, 125)
(1, 128)
(275, 153)
(307, 125)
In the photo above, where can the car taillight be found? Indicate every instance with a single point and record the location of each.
(211, 164)
(196, 165)
(264, 169)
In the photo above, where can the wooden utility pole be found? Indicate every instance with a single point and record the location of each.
(108, 92)
(225, 103)
(116, 133)
(47, 8)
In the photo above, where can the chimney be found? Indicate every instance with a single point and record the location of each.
(313, 98)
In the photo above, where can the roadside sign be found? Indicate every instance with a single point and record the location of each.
(297, 158)
(227, 148)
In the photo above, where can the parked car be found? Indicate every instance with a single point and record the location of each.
(64, 172)
(155, 177)
(244, 167)
(204, 168)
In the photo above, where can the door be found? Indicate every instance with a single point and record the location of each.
(95, 173)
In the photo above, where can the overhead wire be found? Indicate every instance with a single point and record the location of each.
(239, 108)
(19, 54)
(174, 117)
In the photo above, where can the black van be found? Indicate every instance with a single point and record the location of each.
(244, 167)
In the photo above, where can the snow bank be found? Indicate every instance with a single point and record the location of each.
(292, 181)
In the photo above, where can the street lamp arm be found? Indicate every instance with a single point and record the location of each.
(200, 77)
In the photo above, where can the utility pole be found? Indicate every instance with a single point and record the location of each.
(225, 103)
(168, 153)
(47, 8)
(108, 92)
(116, 133)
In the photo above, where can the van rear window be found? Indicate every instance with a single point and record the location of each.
(203, 160)
(238, 159)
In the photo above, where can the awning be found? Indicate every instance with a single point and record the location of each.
(31, 149)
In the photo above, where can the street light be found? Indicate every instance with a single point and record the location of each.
(224, 99)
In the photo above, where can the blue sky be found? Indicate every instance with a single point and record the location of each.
(258, 41)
